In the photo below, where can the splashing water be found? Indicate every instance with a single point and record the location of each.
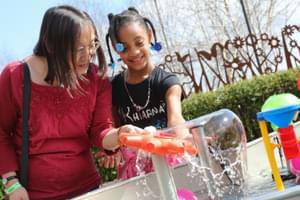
(227, 179)
(143, 164)
(223, 172)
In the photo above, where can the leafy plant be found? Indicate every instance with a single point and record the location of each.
(1, 190)
(244, 98)
(107, 174)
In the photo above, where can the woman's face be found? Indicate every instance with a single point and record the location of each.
(85, 48)
(136, 41)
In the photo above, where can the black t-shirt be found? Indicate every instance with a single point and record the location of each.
(155, 112)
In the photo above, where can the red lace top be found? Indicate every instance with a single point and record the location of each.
(61, 128)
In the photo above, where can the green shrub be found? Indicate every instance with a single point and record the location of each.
(244, 98)
(107, 174)
(1, 190)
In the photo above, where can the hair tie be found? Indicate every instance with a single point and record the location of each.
(110, 16)
(156, 46)
(119, 47)
(133, 9)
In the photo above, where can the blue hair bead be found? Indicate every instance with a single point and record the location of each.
(112, 65)
(119, 47)
(156, 46)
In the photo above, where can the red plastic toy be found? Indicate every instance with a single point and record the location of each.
(289, 142)
(160, 143)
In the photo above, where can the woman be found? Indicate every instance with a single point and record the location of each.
(70, 110)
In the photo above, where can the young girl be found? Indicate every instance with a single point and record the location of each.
(143, 95)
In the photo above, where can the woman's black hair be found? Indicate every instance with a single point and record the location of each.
(127, 16)
(60, 29)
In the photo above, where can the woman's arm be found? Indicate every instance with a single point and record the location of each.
(13, 188)
(8, 120)
(116, 118)
(8, 117)
(102, 121)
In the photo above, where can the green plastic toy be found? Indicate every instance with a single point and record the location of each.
(278, 101)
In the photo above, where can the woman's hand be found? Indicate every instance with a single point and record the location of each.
(111, 141)
(19, 194)
(130, 130)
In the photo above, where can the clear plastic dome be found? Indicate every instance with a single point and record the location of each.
(221, 142)
(222, 129)
(225, 129)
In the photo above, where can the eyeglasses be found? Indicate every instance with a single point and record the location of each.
(92, 48)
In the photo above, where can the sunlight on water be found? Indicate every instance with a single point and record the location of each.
(227, 180)
(219, 170)
(220, 166)
(142, 162)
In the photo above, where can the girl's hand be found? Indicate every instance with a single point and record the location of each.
(109, 161)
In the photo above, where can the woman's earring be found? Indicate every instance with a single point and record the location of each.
(156, 46)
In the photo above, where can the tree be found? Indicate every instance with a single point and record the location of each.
(193, 26)
(197, 23)
(185, 26)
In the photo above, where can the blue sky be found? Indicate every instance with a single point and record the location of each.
(20, 24)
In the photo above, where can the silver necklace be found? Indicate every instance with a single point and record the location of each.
(138, 108)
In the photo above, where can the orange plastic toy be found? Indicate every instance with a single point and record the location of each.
(159, 143)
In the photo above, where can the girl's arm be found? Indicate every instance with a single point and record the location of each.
(174, 111)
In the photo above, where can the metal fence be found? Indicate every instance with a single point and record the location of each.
(236, 59)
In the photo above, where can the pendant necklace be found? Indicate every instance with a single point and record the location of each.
(138, 108)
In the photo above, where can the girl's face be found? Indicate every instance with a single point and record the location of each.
(85, 48)
(136, 41)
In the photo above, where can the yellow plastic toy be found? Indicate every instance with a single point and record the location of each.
(280, 117)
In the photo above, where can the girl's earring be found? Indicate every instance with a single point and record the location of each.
(119, 47)
(156, 46)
